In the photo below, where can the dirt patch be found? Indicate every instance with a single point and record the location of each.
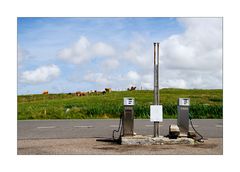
(86, 146)
(106, 148)
(204, 146)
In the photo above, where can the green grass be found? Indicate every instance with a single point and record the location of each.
(204, 104)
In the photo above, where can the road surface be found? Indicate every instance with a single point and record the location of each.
(79, 137)
(101, 128)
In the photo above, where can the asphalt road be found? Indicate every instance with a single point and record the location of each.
(100, 128)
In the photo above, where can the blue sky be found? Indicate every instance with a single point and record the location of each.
(82, 54)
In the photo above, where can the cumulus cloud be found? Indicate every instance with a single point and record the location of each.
(78, 53)
(83, 50)
(132, 75)
(199, 47)
(173, 83)
(190, 58)
(40, 75)
(98, 78)
(132, 78)
(116, 81)
(147, 81)
(102, 49)
(139, 53)
(110, 64)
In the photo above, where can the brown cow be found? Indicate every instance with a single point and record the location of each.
(78, 93)
(45, 92)
(83, 94)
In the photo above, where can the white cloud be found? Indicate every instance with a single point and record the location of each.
(147, 85)
(83, 50)
(198, 48)
(102, 49)
(110, 64)
(193, 59)
(78, 53)
(98, 78)
(139, 53)
(147, 78)
(147, 81)
(132, 75)
(175, 83)
(40, 75)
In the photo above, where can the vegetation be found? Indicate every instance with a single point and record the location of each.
(204, 104)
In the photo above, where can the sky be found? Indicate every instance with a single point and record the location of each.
(65, 55)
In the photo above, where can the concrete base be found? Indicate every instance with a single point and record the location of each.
(150, 140)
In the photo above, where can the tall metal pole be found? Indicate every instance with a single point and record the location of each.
(156, 87)
(158, 96)
(155, 75)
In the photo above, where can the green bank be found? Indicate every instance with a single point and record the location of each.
(205, 104)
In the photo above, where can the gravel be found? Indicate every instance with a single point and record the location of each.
(90, 146)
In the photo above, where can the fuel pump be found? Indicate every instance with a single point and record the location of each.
(128, 116)
(126, 123)
(183, 116)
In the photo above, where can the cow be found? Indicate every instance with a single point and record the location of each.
(108, 90)
(78, 93)
(132, 88)
(45, 92)
(103, 92)
(83, 94)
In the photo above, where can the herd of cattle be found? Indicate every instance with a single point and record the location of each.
(95, 92)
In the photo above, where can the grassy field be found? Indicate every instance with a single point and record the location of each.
(204, 104)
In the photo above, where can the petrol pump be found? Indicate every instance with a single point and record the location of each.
(128, 116)
(183, 116)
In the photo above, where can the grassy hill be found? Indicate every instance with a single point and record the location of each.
(204, 104)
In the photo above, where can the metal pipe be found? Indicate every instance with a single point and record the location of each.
(155, 75)
(156, 87)
(158, 96)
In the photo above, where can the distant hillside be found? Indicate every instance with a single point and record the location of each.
(204, 104)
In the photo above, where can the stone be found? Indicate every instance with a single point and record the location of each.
(192, 134)
(174, 131)
(150, 140)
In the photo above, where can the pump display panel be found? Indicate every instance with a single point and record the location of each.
(129, 101)
(184, 102)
